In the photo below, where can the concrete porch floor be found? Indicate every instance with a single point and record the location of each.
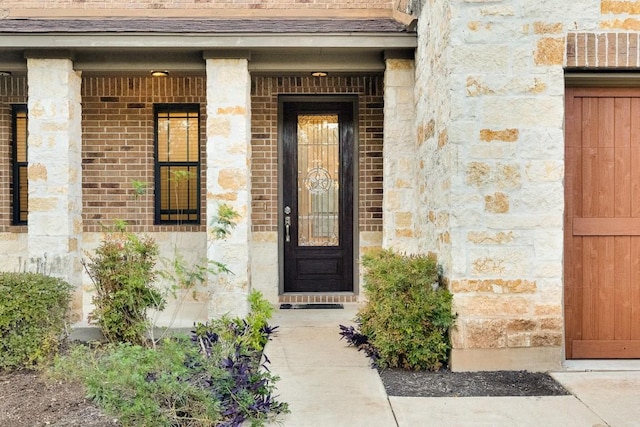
(327, 383)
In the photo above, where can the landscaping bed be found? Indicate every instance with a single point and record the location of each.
(26, 400)
(444, 383)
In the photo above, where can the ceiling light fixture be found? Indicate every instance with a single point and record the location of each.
(319, 74)
(5, 73)
(159, 73)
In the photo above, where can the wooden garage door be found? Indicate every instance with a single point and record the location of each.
(602, 223)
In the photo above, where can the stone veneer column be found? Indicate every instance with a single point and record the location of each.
(55, 168)
(400, 201)
(229, 179)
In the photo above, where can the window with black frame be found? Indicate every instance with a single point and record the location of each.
(20, 182)
(177, 166)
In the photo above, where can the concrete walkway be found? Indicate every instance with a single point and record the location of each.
(328, 384)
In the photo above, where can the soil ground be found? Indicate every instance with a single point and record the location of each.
(27, 400)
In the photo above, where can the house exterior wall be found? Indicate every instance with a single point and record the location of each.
(490, 116)
(487, 135)
(118, 148)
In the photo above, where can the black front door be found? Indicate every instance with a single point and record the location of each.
(317, 210)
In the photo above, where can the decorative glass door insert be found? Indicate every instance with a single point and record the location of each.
(318, 180)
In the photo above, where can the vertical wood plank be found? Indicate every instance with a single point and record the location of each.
(622, 209)
(622, 288)
(634, 279)
(634, 310)
(635, 157)
(605, 209)
(589, 288)
(622, 158)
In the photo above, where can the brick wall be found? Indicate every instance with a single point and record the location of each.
(13, 90)
(118, 147)
(264, 184)
(192, 8)
(197, 4)
(603, 50)
(118, 144)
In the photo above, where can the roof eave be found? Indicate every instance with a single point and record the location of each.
(137, 40)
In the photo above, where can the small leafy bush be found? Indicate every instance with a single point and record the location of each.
(250, 335)
(122, 270)
(406, 321)
(213, 378)
(34, 311)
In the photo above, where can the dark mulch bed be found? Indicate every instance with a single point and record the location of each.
(445, 383)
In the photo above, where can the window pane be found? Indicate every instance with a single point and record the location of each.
(178, 166)
(21, 136)
(179, 193)
(23, 191)
(178, 137)
(19, 180)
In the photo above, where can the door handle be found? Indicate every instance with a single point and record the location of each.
(287, 227)
(287, 224)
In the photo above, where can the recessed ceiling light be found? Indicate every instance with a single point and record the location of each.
(319, 74)
(160, 73)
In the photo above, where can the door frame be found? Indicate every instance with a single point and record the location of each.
(354, 100)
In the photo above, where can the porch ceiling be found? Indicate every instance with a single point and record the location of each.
(135, 46)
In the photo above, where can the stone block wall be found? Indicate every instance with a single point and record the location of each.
(400, 190)
(436, 159)
(490, 116)
(490, 135)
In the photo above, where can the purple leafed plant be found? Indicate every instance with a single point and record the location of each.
(361, 342)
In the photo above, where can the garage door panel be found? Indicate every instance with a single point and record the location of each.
(602, 242)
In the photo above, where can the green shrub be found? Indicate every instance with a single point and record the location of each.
(215, 378)
(122, 270)
(408, 313)
(34, 310)
(144, 386)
